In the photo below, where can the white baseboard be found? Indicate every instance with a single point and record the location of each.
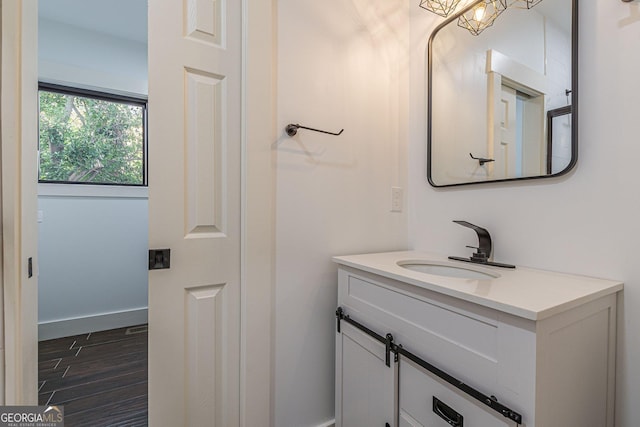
(83, 325)
(331, 423)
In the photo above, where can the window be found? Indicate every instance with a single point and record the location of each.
(91, 137)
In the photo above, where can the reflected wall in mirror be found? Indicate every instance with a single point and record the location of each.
(502, 104)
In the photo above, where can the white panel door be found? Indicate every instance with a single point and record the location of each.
(505, 152)
(365, 385)
(194, 209)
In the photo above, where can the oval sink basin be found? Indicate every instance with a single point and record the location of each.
(447, 270)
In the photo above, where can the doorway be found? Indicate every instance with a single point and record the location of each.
(19, 237)
(92, 232)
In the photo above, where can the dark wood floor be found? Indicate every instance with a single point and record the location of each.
(100, 378)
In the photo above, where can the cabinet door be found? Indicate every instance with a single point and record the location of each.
(365, 386)
(417, 390)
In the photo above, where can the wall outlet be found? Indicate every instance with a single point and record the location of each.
(396, 199)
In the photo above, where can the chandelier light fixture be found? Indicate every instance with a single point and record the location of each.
(440, 7)
(475, 15)
(482, 15)
(524, 4)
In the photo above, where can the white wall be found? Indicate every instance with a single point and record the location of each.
(93, 258)
(585, 223)
(78, 56)
(340, 65)
(92, 240)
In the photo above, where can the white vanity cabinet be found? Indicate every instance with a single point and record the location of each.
(539, 344)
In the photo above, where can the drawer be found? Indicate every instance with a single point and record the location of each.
(417, 390)
(452, 336)
(454, 324)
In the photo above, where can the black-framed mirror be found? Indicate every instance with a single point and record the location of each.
(489, 95)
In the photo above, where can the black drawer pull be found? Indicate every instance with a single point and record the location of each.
(447, 413)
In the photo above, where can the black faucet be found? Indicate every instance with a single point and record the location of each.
(484, 248)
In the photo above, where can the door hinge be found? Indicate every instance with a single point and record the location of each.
(389, 346)
(339, 317)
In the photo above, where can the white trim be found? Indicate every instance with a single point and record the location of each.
(19, 203)
(331, 423)
(257, 210)
(86, 190)
(99, 322)
(79, 85)
(2, 401)
(516, 72)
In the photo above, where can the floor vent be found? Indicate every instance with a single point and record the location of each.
(137, 330)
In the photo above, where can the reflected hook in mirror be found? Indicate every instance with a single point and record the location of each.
(482, 160)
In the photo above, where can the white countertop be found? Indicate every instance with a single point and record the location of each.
(524, 292)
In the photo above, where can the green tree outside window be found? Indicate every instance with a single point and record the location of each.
(91, 140)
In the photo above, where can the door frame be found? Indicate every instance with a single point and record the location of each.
(19, 133)
(257, 209)
(257, 275)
